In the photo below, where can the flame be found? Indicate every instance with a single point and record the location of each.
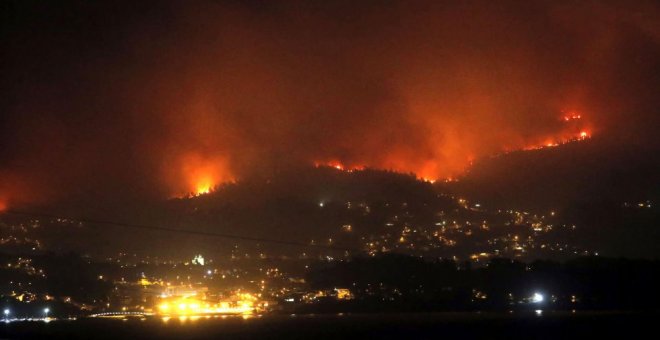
(204, 186)
(336, 165)
(426, 173)
(583, 135)
(567, 135)
(339, 166)
(202, 174)
(190, 171)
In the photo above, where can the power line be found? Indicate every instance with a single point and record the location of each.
(175, 230)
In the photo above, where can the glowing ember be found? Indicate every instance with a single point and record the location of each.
(582, 136)
(569, 135)
(336, 165)
(339, 166)
(572, 117)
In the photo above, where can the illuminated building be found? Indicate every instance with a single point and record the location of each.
(240, 303)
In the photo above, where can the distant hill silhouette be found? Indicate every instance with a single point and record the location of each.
(597, 184)
(592, 185)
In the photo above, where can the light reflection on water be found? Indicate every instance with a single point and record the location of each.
(192, 318)
(347, 325)
(477, 315)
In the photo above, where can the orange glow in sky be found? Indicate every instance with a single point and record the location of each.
(432, 170)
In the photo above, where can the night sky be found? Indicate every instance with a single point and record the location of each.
(113, 101)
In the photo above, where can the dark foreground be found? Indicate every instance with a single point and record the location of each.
(545, 325)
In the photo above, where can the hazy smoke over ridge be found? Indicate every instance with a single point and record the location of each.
(146, 100)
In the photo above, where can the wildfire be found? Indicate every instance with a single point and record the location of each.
(339, 166)
(202, 182)
(202, 174)
(424, 174)
(568, 136)
(572, 116)
(583, 135)
(204, 187)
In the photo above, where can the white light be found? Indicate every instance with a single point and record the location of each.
(537, 298)
(209, 272)
(46, 310)
(199, 260)
(6, 311)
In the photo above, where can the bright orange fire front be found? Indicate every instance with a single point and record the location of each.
(204, 186)
(203, 174)
(339, 166)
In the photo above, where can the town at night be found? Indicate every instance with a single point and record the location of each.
(329, 169)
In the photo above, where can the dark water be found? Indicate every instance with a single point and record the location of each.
(529, 325)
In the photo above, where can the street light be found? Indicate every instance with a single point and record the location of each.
(537, 298)
(6, 312)
(46, 311)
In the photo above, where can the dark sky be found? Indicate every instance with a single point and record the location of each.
(110, 99)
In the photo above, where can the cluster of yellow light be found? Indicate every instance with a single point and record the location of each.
(190, 306)
(143, 281)
(344, 294)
